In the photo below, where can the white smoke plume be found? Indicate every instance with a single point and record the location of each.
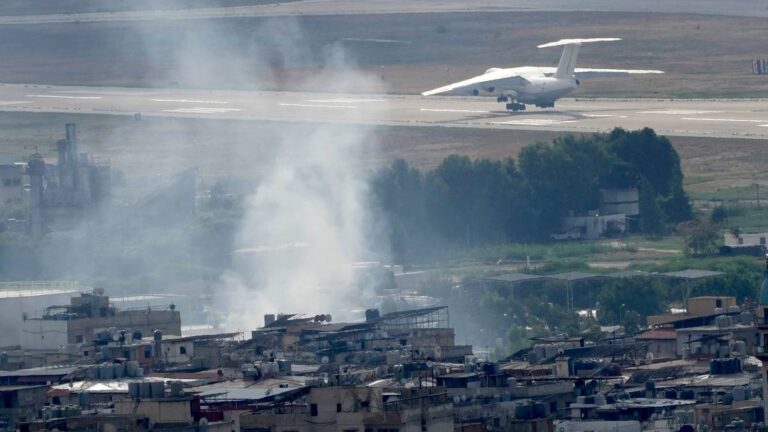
(307, 223)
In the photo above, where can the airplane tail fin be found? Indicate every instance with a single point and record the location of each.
(567, 64)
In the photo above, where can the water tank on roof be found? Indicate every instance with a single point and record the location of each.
(157, 335)
(157, 389)
(118, 370)
(134, 390)
(723, 321)
(137, 335)
(746, 318)
(714, 367)
(740, 348)
(145, 390)
(177, 389)
(372, 314)
(268, 319)
(670, 394)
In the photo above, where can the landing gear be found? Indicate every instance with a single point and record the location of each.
(502, 99)
(516, 106)
(546, 105)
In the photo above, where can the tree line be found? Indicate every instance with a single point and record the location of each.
(465, 203)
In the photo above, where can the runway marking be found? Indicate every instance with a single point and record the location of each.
(8, 103)
(190, 101)
(202, 110)
(678, 112)
(604, 116)
(724, 120)
(454, 111)
(342, 100)
(64, 97)
(534, 122)
(317, 106)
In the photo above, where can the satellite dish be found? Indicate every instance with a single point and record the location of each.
(430, 364)
(456, 399)
(325, 360)
(115, 337)
(203, 421)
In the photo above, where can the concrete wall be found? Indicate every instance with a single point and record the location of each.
(43, 334)
(158, 410)
(745, 239)
(167, 321)
(13, 305)
(706, 305)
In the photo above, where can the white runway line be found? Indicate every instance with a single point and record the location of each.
(9, 103)
(343, 100)
(317, 106)
(604, 116)
(465, 111)
(63, 97)
(190, 101)
(202, 110)
(724, 120)
(678, 112)
(534, 122)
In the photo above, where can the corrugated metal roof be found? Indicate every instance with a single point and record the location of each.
(692, 274)
(627, 274)
(657, 334)
(573, 276)
(513, 277)
(41, 371)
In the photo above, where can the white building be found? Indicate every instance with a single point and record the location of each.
(745, 239)
(29, 299)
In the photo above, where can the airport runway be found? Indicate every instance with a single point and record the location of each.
(747, 8)
(735, 118)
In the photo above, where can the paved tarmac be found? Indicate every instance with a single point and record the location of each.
(745, 8)
(736, 118)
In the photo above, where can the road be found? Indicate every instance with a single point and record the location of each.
(745, 8)
(738, 118)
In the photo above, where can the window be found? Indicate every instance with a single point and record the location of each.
(553, 407)
(79, 339)
(741, 241)
(182, 350)
(762, 240)
(313, 410)
(718, 303)
(147, 352)
(338, 409)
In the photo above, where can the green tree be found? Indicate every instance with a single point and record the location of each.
(700, 238)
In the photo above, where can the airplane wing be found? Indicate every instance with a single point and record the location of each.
(609, 73)
(488, 80)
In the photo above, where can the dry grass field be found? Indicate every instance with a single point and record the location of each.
(157, 146)
(704, 56)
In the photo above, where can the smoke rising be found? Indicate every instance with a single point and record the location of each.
(307, 223)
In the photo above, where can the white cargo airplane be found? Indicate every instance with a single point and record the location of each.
(534, 85)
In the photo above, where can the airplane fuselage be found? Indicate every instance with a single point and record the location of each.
(532, 85)
(541, 89)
